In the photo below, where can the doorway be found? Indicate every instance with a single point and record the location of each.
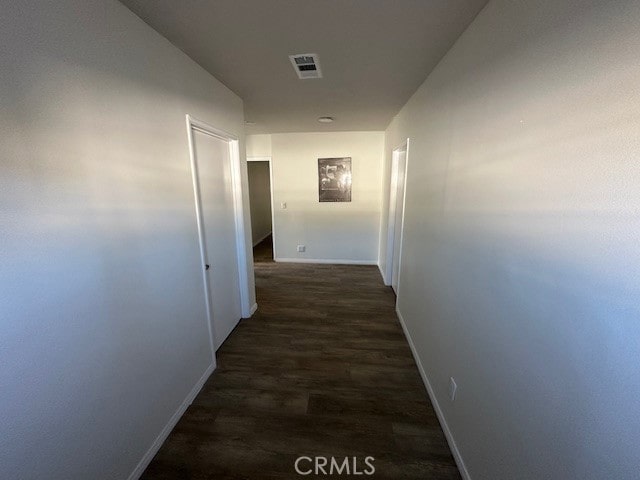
(215, 167)
(261, 202)
(396, 214)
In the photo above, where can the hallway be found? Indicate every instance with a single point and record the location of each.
(322, 369)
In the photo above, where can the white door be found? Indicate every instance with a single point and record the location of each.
(401, 168)
(213, 159)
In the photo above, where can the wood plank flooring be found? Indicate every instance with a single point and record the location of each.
(322, 369)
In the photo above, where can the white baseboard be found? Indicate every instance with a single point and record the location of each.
(144, 463)
(257, 242)
(253, 310)
(434, 401)
(327, 261)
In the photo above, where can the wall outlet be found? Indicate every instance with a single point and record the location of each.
(301, 248)
(283, 205)
(453, 387)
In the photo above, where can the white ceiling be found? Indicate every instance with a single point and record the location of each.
(374, 53)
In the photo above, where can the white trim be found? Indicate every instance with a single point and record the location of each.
(404, 205)
(273, 212)
(327, 261)
(434, 401)
(243, 261)
(391, 217)
(254, 309)
(164, 433)
(391, 221)
(204, 127)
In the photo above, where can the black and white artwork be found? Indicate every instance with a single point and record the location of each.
(334, 179)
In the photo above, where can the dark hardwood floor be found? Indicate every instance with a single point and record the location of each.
(322, 369)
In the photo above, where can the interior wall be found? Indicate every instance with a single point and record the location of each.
(260, 200)
(330, 231)
(520, 259)
(102, 308)
(258, 145)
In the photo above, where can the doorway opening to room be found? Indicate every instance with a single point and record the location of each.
(261, 205)
(396, 215)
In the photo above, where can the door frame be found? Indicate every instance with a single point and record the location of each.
(194, 124)
(393, 201)
(273, 214)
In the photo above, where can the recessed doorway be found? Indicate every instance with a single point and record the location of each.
(261, 205)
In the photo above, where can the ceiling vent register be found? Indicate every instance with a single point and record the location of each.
(306, 65)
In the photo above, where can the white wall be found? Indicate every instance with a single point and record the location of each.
(102, 313)
(333, 232)
(258, 145)
(260, 199)
(521, 271)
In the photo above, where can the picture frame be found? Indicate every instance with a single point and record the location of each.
(334, 179)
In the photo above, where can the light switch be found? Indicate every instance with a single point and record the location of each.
(283, 205)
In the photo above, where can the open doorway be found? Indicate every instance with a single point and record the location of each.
(261, 205)
(396, 215)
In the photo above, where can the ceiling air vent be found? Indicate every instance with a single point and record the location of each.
(306, 65)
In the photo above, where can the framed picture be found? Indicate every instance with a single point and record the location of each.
(334, 179)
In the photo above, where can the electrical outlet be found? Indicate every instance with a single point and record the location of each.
(453, 387)
(301, 248)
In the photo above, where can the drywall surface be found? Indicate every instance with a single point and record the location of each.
(258, 145)
(102, 312)
(330, 231)
(521, 267)
(260, 199)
